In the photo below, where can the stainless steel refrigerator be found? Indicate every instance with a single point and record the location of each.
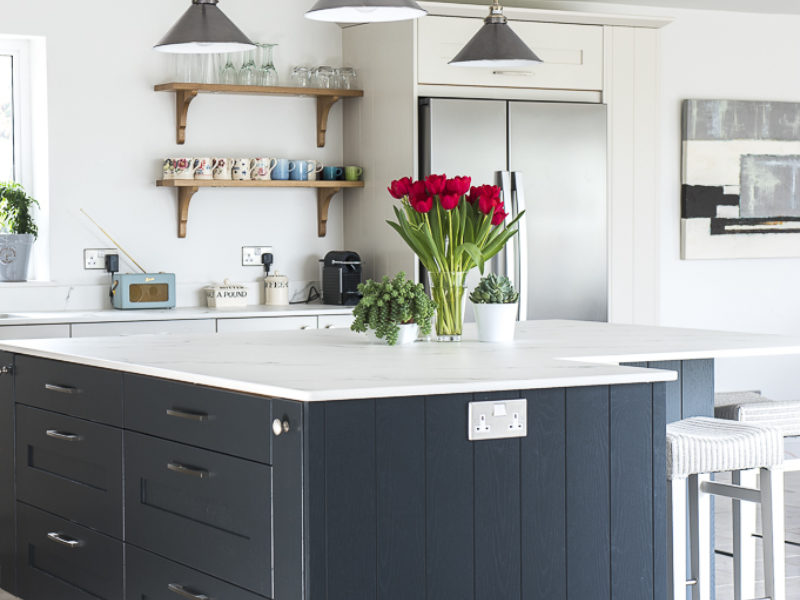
(550, 159)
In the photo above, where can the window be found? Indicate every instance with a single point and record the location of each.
(8, 137)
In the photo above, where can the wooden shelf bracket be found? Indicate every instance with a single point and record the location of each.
(324, 104)
(184, 198)
(324, 196)
(183, 98)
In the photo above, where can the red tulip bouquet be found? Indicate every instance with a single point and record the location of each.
(453, 228)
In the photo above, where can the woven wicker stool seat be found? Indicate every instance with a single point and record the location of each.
(752, 407)
(706, 445)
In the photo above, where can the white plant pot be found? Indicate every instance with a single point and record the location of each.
(496, 322)
(407, 335)
(15, 254)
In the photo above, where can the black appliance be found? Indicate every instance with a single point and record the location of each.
(341, 274)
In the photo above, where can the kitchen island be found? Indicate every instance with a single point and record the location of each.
(318, 465)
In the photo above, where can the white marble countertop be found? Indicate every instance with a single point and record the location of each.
(338, 364)
(169, 314)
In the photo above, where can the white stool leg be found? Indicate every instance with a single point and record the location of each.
(700, 533)
(772, 522)
(744, 544)
(676, 534)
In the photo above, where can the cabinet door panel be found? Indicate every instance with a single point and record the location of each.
(76, 390)
(59, 560)
(266, 324)
(143, 327)
(34, 332)
(205, 510)
(335, 321)
(7, 524)
(70, 467)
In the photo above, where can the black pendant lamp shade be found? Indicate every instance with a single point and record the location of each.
(204, 29)
(495, 45)
(365, 11)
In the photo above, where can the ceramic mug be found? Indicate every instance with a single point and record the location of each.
(222, 168)
(240, 169)
(332, 173)
(261, 168)
(353, 173)
(168, 169)
(315, 170)
(299, 169)
(203, 168)
(283, 168)
(183, 168)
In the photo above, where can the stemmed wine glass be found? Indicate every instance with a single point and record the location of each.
(267, 74)
(228, 74)
(248, 74)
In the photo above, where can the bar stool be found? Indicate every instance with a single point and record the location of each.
(752, 407)
(696, 448)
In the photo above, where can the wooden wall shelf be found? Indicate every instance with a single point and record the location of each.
(186, 92)
(187, 188)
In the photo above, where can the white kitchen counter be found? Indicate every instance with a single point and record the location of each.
(339, 364)
(169, 314)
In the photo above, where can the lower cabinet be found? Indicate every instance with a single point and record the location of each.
(200, 508)
(150, 577)
(7, 569)
(266, 324)
(59, 560)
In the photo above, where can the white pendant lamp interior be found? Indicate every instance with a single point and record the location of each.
(496, 45)
(365, 11)
(204, 29)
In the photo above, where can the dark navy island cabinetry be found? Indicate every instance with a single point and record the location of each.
(137, 488)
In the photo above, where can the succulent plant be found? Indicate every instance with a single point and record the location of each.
(387, 304)
(494, 290)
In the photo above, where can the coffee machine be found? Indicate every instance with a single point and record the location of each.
(341, 274)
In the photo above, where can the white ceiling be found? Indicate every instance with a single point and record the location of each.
(755, 6)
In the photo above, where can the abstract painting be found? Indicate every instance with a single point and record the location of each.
(740, 196)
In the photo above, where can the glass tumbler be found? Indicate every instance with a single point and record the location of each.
(301, 76)
(248, 74)
(183, 64)
(207, 68)
(347, 78)
(228, 73)
(267, 74)
(324, 77)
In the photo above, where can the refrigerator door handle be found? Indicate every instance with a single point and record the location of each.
(520, 245)
(505, 259)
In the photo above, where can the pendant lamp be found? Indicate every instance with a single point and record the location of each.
(365, 11)
(204, 29)
(495, 45)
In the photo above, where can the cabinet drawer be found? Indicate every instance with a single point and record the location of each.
(33, 332)
(205, 510)
(572, 55)
(76, 390)
(150, 577)
(335, 321)
(214, 419)
(70, 467)
(266, 324)
(59, 560)
(143, 327)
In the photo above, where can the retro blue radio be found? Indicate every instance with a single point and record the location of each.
(143, 290)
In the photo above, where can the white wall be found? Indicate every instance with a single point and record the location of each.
(108, 131)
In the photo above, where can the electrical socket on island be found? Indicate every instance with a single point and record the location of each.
(95, 258)
(251, 255)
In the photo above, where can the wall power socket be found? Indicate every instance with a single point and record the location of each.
(498, 419)
(251, 255)
(95, 258)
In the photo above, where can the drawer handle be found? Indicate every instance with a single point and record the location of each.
(176, 588)
(304, 327)
(62, 389)
(330, 326)
(513, 73)
(64, 437)
(60, 538)
(200, 417)
(6, 370)
(179, 468)
(279, 427)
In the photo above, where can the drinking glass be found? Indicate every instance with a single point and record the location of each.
(323, 77)
(248, 74)
(346, 78)
(228, 73)
(267, 74)
(301, 76)
(207, 68)
(183, 64)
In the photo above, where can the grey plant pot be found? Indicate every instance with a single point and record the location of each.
(15, 256)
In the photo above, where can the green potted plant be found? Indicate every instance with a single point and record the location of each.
(395, 309)
(17, 231)
(494, 301)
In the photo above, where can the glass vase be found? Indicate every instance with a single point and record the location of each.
(449, 293)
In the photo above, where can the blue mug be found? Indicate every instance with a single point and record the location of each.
(300, 169)
(332, 173)
(283, 169)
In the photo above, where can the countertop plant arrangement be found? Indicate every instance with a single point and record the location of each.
(494, 289)
(494, 301)
(15, 210)
(453, 227)
(386, 305)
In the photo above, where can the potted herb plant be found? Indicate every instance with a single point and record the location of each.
(17, 231)
(396, 309)
(494, 301)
